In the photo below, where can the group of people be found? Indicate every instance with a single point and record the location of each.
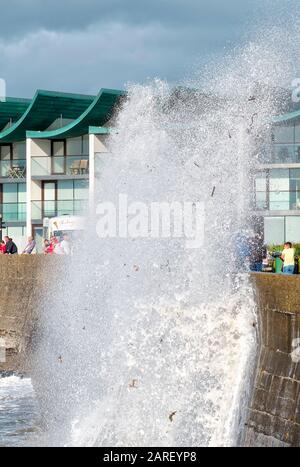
(52, 246)
(8, 246)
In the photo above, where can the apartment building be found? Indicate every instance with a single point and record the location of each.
(48, 147)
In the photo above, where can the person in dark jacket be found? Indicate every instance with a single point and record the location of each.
(11, 247)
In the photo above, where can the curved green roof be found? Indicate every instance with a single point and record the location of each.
(45, 107)
(286, 117)
(12, 109)
(98, 113)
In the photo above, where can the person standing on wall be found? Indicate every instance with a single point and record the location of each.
(288, 258)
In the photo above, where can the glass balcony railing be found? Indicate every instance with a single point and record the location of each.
(41, 209)
(278, 201)
(13, 212)
(60, 165)
(13, 168)
(285, 154)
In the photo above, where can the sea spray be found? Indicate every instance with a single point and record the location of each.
(145, 342)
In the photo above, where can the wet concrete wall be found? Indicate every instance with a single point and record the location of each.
(274, 415)
(23, 279)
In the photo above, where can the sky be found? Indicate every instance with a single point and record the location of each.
(83, 45)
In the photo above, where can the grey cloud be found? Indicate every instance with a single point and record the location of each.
(19, 16)
(82, 45)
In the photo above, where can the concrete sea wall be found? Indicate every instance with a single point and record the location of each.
(274, 412)
(23, 280)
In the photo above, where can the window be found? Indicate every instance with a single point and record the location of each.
(58, 148)
(19, 150)
(65, 189)
(14, 201)
(285, 153)
(279, 200)
(81, 189)
(279, 180)
(274, 230)
(5, 154)
(58, 157)
(297, 133)
(292, 229)
(10, 192)
(283, 134)
(260, 183)
(74, 146)
(49, 199)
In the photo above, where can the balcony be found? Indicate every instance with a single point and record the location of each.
(73, 166)
(41, 209)
(13, 169)
(13, 212)
(285, 154)
(277, 201)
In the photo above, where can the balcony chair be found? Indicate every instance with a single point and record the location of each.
(16, 172)
(84, 165)
(75, 167)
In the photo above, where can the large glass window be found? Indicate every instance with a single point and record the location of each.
(277, 189)
(283, 133)
(65, 190)
(63, 197)
(279, 195)
(5, 154)
(10, 193)
(279, 180)
(49, 199)
(81, 189)
(292, 228)
(279, 200)
(19, 150)
(297, 133)
(274, 230)
(78, 146)
(74, 146)
(18, 234)
(14, 201)
(85, 145)
(260, 184)
(286, 154)
(58, 153)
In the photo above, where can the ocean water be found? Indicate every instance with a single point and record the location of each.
(19, 411)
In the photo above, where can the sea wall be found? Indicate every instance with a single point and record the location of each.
(23, 280)
(274, 414)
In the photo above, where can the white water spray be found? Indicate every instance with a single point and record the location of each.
(146, 342)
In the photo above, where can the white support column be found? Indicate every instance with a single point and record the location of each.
(28, 188)
(91, 172)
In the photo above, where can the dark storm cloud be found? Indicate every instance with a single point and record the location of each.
(82, 45)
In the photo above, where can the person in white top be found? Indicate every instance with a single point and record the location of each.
(65, 245)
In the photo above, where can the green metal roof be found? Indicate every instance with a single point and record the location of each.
(98, 113)
(100, 130)
(12, 109)
(286, 117)
(45, 107)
